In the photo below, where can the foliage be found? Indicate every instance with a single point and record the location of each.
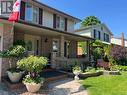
(76, 68)
(15, 51)
(98, 50)
(90, 69)
(120, 67)
(98, 53)
(106, 85)
(14, 69)
(83, 46)
(119, 54)
(89, 21)
(19, 42)
(32, 64)
(31, 80)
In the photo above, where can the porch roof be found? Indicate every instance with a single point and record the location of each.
(37, 29)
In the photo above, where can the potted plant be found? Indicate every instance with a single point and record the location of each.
(76, 70)
(33, 65)
(13, 54)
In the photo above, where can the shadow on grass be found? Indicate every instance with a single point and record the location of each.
(86, 86)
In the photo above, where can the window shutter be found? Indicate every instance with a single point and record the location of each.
(94, 33)
(54, 20)
(22, 10)
(66, 24)
(99, 35)
(40, 16)
(104, 36)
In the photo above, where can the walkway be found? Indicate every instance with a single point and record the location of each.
(62, 87)
(67, 87)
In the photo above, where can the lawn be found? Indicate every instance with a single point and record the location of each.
(107, 85)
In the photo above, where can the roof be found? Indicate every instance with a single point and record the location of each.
(88, 27)
(44, 27)
(51, 8)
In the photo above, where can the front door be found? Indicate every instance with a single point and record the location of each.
(33, 44)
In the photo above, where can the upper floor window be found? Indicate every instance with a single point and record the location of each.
(28, 12)
(35, 15)
(106, 37)
(57, 22)
(60, 23)
(97, 34)
(31, 13)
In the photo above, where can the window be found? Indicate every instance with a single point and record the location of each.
(60, 23)
(57, 22)
(28, 13)
(106, 37)
(55, 45)
(35, 15)
(97, 34)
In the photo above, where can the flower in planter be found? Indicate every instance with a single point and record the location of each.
(33, 65)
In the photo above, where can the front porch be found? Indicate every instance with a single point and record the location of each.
(58, 46)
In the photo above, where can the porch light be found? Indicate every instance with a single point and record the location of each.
(46, 40)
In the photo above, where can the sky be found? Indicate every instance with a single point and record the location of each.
(113, 13)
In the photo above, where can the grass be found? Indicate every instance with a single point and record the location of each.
(107, 85)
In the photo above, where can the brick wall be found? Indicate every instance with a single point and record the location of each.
(7, 37)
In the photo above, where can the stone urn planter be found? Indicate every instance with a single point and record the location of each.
(33, 87)
(15, 76)
(76, 72)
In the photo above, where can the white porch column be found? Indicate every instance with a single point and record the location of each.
(62, 46)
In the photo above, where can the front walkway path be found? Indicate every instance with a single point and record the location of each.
(61, 87)
(67, 87)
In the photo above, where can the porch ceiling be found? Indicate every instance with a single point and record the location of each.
(40, 30)
(35, 29)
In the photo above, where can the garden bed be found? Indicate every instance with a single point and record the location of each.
(111, 72)
(84, 75)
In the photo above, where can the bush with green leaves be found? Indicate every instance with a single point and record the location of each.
(19, 42)
(120, 67)
(31, 80)
(76, 68)
(14, 51)
(32, 64)
(90, 69)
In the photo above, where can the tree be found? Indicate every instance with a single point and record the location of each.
(89, 21)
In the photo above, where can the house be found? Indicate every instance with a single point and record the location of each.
(119, 40)
(100, 32)
(47, 32)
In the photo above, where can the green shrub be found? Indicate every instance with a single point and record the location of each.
(19, 42)
(120, 67)
(76, 68)
(31, 80)
(15, 51)
(32, 63)
(90, 69)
